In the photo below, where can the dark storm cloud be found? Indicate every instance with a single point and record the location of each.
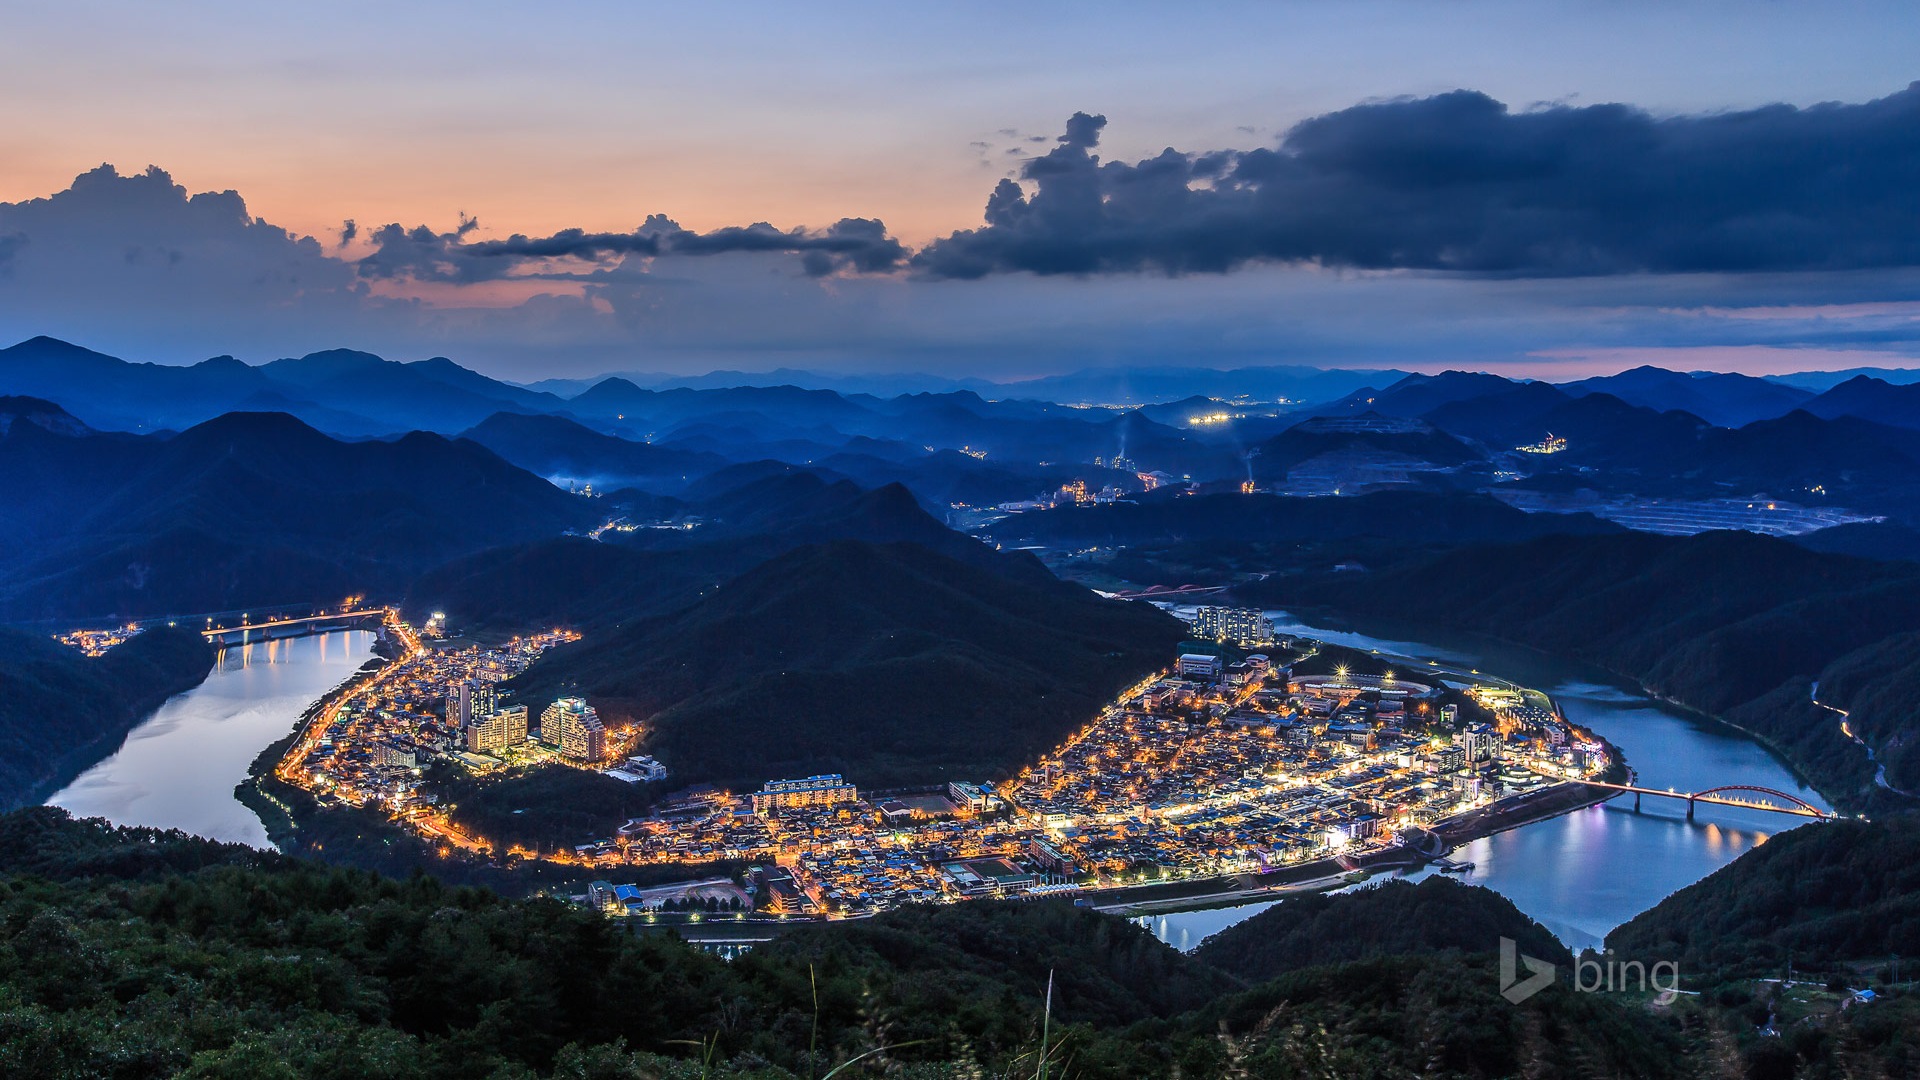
(1458, 182)
(858, 244)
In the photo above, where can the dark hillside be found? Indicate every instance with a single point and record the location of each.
(253, 509)
(60, 710)
(1831, 893)
(1723, 622)
(1392, 919)
(891, 663)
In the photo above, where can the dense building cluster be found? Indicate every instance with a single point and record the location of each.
(97, 642)
(369, 745)
(1239, 768)
(1216, 767)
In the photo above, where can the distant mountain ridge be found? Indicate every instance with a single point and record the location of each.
(254, 506)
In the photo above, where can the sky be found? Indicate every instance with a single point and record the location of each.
(997, 190)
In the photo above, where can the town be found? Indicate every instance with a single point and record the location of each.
(1237, 759)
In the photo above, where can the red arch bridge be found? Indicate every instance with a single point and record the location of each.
(1754, 798)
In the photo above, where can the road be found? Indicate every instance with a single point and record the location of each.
(1846, 728)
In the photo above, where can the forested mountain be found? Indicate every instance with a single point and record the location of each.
(1396, 918)
(1732, 624)
(60, 711)
(251, 509)
(891, 663)
(412, 979)
(143, 954)
(1828, 897)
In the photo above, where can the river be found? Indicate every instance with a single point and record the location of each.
(179, 768)
(1582, 874)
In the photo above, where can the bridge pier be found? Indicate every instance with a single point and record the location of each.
(1636, 802)
(1690, 809)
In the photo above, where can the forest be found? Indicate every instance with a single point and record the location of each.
(139, 953)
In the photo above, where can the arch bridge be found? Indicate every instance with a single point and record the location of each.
(1726, 795)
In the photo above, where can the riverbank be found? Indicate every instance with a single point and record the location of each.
(1850, 789)
(1321, 875)
(64, 713)
(268, 802)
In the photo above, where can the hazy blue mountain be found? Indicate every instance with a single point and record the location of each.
(563, 450)
(1417, 395)
(427, 395)
(1141, 386)
(110, 393)
(251, 506)
(41, 414)
(1820, 381)
(1116, 386)
(1719, 399)
(1871, 399)
(339, 390)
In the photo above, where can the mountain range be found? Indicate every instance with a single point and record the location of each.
(1645, 432)
(255, 508)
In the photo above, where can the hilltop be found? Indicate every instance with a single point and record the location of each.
(1395, 918)
(891, 663)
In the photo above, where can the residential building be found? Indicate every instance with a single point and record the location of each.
(459, 705)
(826, 790)
(1245, 627)
(574, 728)
(504, 728)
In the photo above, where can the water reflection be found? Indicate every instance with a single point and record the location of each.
(179, 768)
(1585, 873)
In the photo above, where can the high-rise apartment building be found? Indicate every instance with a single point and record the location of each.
(572, 726)
(1245, 627)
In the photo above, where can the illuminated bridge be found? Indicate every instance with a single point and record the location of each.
(274, 629)
(1756, 798)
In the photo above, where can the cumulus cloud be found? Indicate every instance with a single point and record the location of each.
(1459, 182)
(857, 244)
(140, 241)
(1528, 221)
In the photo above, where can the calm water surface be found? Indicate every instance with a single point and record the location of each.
(178, 770)
(1581, 875)
(1585, 873)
